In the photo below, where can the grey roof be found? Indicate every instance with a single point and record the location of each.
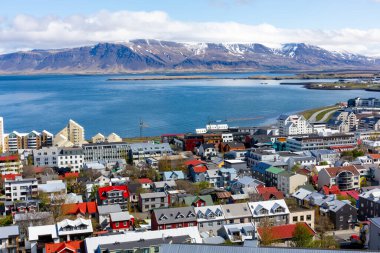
(233, 230)
(322, 152)
(175, 215)
(8, 231)
(236, 210)
(214, 240)
(120, 216)
(160, 184)
(150, 147)
(109, 209)
(31, 216)
(153, 195)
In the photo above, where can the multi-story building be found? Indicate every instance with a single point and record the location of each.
(271, 176)
(288, 182)
(374, 234)
(141, 151)
(342, 214)
(46, 139)
(150, 201)
(109, 195)
(293, 125)
(98, 138)
(302, 215)
(46, 156)
(345, 177)
(364, 102)
(347, 117)
(33, 140)
(14, 141)
(20, 189)
(313, 142)
(71, 135)
(105, 151)
(114, 138)
(210, 218)
(2, 145)
(10, 164)
(369, 204)
(256, 156)
(276, 211)
(72, 158)
(236, 213)
(9, 239)
(121, 221)
(167, 218)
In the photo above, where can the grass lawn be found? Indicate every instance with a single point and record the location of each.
(322, 114)
(307, 114)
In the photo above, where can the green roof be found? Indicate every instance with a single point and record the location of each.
(191, 199)
(274, 170)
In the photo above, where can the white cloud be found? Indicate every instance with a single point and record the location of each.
(52, 32)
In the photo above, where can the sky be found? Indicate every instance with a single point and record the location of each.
(339, 25)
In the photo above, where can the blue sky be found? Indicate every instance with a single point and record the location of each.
(342, 24)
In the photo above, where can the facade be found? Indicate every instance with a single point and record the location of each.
(10, 164)
(261, 155)
(46, 156)
(20, 189)
(341, 214)
(288, 182)
(271, 176)
(71, 135)
(141, 151)
(109, 195)
(343, 141)
(207, 150)
(72, 158)
(150, 201)
(169, 218)
(369, 204)
(276, 211)
(349, 118)
(302, 215)
(15, 141)
(364, 102)
(121, 221)
(98, 138)
(345, 177)
(2, 145)
(104, 213)
(293, 125)
(105, 151)
(69, 230)
(238, 233)
(9, 239)
(237, 213)
(374, 234)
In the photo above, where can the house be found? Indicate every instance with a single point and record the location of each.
(141, 151)
(302, 214)
(301, 194)
(113, 195)
(289, 182)
(85, 209)
(269, 193)
(196, 172)
(374, 234)
(173, 175)
(275, 210)
(212, 177)
(153, 200)
(104, 215)
(239, 165)
(197, 201)
(65, 247)
(345, 177)
(121, 221)
(283, 234)
(231, 146)
(246, 185)
(210, 218)
(20, 189)
(145, 183)
(168, 218)
(237, 213)
(164, 186)
(9, 239)
(271, 176)
(258, 155)
(342, 214)
(369, 204)
(237, 233)
(102, 180)
(228, 175)
(325, 155)
(54, 188)
(77, 229)
(207, 150)
(40, 235)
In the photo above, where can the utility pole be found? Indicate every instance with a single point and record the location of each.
(142, 125)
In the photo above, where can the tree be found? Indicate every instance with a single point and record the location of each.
(296, 167)
(266, 236)
(301, 236)
(326, 242)
(6, 221)
(187, 186)
(291, 203)
(94, 192)
(323, 163)
(323, 223)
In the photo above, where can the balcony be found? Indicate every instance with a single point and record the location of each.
(11, 244)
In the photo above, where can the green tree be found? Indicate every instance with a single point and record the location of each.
(266, 233)
(6, 221)
(301, 236)
(323, 163)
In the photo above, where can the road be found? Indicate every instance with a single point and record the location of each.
(313, 117)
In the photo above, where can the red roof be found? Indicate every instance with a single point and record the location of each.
(10, 176)
(285, 232)
(352, 193)
(38, 170)
(262, 190)
(375, 156)
(342, 147)
(70, 175)
(9, 158)
(194, 162)
(334, 189)
(83, 208)
(103, 190)
(144, 181)
(200, 169)
(268, 193)
(73, 246)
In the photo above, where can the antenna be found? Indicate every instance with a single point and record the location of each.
(142, 125)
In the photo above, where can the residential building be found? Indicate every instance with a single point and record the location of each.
(237, 213)
(150, 201)
(374, 234)
(342, 214)
(325, 155)
(82, 210)
(271, 176)
(14, 141)
(237, 233)
(314, 142)
(275, 210)
(207, 150)
(46, 156)
(288, 182)
(104, 215)
(72, 158)
(98, 138)
(168, 218)
(228, 175)
(71, 135)
(112, 137)
(212, 177)
(46, 139)
(121, 221)
(256, 156)
(173, 175)
(10, 164)
(66, 247)
(210, 218)
(145, 183)
(231, 146)
(20, 189)
(9, 239)
(164, 186)
(70, 230)
(301, 194)
(109, 195)
(107, 152)
(196, 201)
(369, 204)
(347, 117)
(54, 188)
(293, 125)
(364, 102)
(239, 165)
(302, 215)
(369, 123)
(2, 144)
(345, 177)
(269, 193)
(246, 185)
(141, 151)
(40, 235)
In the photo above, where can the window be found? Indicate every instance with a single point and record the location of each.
(210, 224)
(117, 224)
(308, 217)
(124, 223)
(302, 218)
(242, 220)
(341, 218)
(231, 221)
(295, 219)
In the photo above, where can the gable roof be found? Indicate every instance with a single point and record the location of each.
(194, 162)
(189, 200)
(73, 246)
(200, 169)
(285, 232)
(103, 190)
(107, 209)
(236, 210)
(269, 192)
(82, 208)
(144, 181)
(174, 215)
(120, 216)
(334, 171)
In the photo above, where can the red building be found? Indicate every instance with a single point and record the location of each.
(121, 221)
(117, 194)
(191, 141)
(168, 218)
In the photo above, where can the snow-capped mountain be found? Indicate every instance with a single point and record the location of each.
(154, 55)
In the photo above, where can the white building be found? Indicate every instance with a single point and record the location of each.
(294, 125)
(228, 137)
(46, 156)
(275, 210)
(20, 189)
(71, 158)
(210, 218)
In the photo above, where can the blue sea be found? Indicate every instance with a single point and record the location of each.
(38, 102)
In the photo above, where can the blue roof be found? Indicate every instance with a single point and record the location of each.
(230, 170)
(261, 167)
(179, 174)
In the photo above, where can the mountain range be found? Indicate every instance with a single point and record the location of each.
(155, 56)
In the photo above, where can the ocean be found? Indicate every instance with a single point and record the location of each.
(39, 102)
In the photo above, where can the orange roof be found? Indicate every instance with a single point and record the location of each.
(71, 175)
(38, 170)
(73, 246)
(285, 232)
(375, 156)
(223, 195)
(262, 190)
(144, 181)
(83, 208)
(194, 162)
(200, 169)
(334, 189)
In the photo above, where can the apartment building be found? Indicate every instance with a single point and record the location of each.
(314, 142)
(46, 156)
(9, 239)
(236, 213)
(2, 145)
(150, 201)
(142, 151)
(71, 135)
(293, 125)
(275, 210)
(109, 195)
(20, 188)
(210, 218)
(105, 151)
(288, 182)
(345, 177)
(33, 140)
(168, 218)
(72, 158)
(302, 215)
(369, 204)
(10, 164)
